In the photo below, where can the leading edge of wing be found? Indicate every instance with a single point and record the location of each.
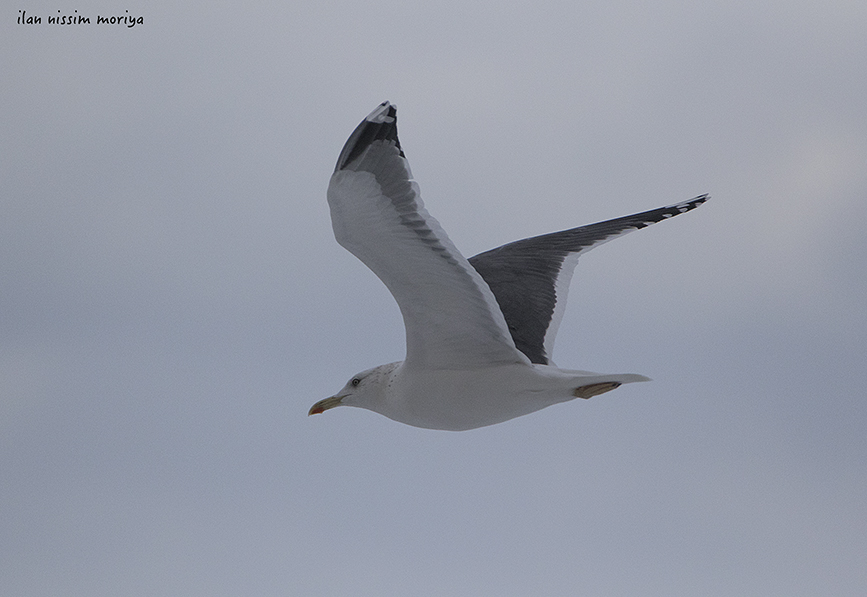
(451, 317)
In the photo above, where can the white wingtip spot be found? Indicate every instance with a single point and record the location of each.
(380, 114)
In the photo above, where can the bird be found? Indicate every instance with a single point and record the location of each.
(480, 331)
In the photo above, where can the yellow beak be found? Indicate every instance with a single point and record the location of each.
(323, 405)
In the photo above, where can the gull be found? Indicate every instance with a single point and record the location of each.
(479, 331)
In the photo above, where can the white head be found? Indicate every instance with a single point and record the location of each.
(364, 390)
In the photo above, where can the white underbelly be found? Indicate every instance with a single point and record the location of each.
(458, 400)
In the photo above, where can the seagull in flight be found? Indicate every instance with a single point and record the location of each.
(479, 331)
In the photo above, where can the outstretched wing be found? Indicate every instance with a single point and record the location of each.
(530, 278)
(451, 317)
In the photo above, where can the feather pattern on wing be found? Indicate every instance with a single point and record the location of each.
(451, 317)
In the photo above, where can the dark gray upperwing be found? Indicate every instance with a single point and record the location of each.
(524, 275)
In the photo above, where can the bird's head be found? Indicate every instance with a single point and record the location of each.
(364, 390)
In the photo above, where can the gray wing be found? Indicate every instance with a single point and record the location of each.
(530, 278)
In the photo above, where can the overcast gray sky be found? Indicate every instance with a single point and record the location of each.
(172, 299)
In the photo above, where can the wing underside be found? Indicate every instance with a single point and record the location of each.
(452, 319)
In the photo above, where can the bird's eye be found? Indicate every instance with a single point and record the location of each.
(355, 381)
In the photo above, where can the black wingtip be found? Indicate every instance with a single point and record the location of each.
(698, 200)
(380, 125)
(676, 209)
